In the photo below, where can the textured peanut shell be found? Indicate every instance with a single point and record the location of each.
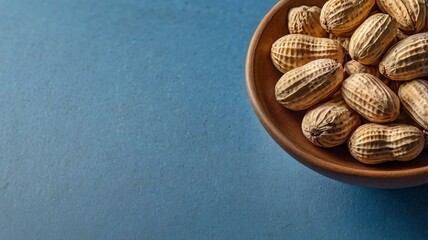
(353, 67)
(372, 38)
(371, 98)
(414, 98)
(330, 124)
(344, 41)
(407, 59)
(295, 50)
(309, 84)
(341, 17)
(373, 143)
(410, 14)
(306, 20)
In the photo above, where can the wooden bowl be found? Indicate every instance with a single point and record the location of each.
(285, 126)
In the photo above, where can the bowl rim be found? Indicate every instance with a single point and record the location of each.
(319, 165)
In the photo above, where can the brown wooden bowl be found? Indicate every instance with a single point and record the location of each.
(285, 126)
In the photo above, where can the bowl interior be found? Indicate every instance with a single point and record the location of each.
(285, 125)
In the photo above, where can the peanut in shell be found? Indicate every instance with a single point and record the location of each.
(294, 50)
(305, 86)
(306, 20)
(373, 143)
(411, 15)
(373, 38)
(341, 17)
(371, 98)
(407, 59)
(353, 67)
(414, 98)
(330, 124)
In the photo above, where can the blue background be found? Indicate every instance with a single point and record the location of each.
(130, 120)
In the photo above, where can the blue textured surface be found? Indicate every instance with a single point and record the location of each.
(130, 120)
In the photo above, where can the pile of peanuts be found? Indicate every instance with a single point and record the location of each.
(357, 69)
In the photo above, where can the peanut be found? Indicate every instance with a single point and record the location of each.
(295, 50)
(306, 20)
(341, 17)
(353, 67)
(414, 98)
(373, 143)
(309, 84)
(371, 98)
(407, 59)
(330, 123)
(344, 41)
(372, 38)
(410, 14)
